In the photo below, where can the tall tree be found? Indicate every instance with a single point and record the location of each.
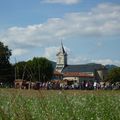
(114, 75)
(42, 69)
(6, 69)
(5, 54)
(20, 69)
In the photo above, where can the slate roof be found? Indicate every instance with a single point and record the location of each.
(83, 68)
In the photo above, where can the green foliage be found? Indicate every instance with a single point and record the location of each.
(20, 68)
(42, 69)
(114, 75)
(6, 69)
(37, 69)
(5, 54)
(59, 105)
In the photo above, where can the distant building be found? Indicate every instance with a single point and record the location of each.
(83, 72)
(61, 59)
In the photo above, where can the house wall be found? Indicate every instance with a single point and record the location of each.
(79, 79)
(72, 78)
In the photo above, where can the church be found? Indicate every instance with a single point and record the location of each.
(82, 72)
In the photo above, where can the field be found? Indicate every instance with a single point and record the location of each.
(59, 105)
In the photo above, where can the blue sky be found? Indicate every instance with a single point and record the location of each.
(89, 29)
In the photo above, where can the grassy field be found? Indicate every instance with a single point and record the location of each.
(59, 105)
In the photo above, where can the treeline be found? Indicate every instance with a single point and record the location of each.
(37, 69)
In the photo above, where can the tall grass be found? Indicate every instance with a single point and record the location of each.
(59, 105)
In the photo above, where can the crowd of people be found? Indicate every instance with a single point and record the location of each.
(80, 86)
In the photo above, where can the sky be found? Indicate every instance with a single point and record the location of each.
(89, 29)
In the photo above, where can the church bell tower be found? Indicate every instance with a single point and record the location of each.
(61, 59)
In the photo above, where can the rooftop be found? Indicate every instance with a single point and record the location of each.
(77, 74)
(83, 68)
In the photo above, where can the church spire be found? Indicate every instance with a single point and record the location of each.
(62, 50)
(61, 58)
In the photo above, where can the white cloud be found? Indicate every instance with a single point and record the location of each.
(107, 61)
(50, 52)
(103, 20)
(62, 1)
(19, 52)
(83, 60)
(77, 60)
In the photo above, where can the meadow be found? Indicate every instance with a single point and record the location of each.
(59, 105)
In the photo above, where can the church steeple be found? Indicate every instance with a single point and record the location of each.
(61, 58)
(62, 48)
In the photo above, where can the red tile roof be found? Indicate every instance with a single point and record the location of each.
(57, 73)
(77, 74)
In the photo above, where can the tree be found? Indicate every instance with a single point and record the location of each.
(20, 70)
(5, 54)
(42, 69)
(6, 69)
(114, 75)
(37, 69)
